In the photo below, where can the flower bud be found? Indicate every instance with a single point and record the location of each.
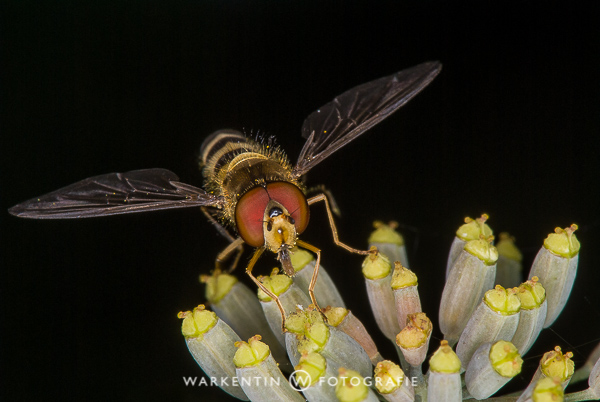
(314, 378)
(258, 374)
(413, 340)
(211, 343)
(532, 315)
(496, 318)
(347, 322)
(473, 229)
(289, 295)
(351, 387)
(509, 270)
(491, 367)
(471, 276)
(309, 333)
(237, 305)
(377, 271)
(406, 295)
(555, 364)
(545, 389)
(444, 383)
(593, 392)
(556, 266)
(389, 242)
(391, 383)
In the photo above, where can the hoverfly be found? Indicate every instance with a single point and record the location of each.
(249, 187)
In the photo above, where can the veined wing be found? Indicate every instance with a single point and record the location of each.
(117, 193)
(357, 110)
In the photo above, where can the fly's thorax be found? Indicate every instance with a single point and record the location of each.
(234, 164)
(249, 170)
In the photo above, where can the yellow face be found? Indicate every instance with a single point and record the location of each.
(278, 227)
(280, 233)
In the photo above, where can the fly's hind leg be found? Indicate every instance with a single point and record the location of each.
(262, 287)
(235, 244)
(211, 214)
(212, 281)
(323, 197)
(329, 195)
(224, 255)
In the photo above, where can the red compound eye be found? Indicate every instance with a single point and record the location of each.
(250, 210)
(293, 200)
(249, 214)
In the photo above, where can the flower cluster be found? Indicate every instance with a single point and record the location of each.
(488, 319)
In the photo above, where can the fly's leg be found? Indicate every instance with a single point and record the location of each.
(235, 243)
(321, 188)
(262, 287)
(322, 197)
(313, 280)
(224, 255)
(207, 212)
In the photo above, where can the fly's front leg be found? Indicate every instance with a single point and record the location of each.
(262, 287)
(313, 280)
(322, 197)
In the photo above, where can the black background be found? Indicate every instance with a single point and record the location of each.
(510, 128)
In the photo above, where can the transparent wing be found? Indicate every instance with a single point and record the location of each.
(116, 193)
(357, 110)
